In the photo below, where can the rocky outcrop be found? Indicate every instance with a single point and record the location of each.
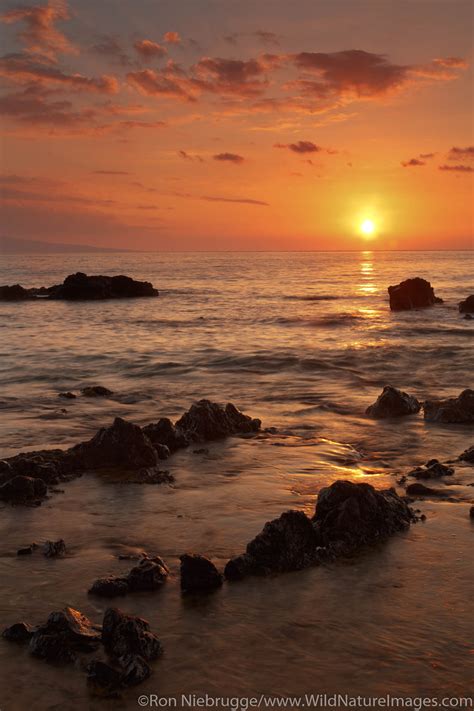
(433, 469)
(23, 490)
(451, 410)
(149, 574)
(95, 391)
(164, 434)
(199, 574)
(348, 517)
(393, 403)
(80, 287)
(467, 455)
(54, 549)
(422, 490)
(467, 306)
(471, 512)
(109, 587)
(207, 420)
(64, 634)
(19, 632)
(412, 294)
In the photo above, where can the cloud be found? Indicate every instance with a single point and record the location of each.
(172, 38)
(21, 68)
(426, 156)
(152, 83)
(109, 46)
(231, 76)
(466, 153)
(110, 172)
(229, 158)
(412, 163)
(300, 147)
(31, 106)
(452, 62)
(246, 201)
(149, 49)
(188, 156)
(268, 38)
(457, 168)
(41, 36)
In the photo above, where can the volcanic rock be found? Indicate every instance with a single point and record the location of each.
(67, 395)
(422, 490)
(19, 632)
(23, 489)
(54, 549)
(433, 469)
(207, 420)
(393, 403)
(64, 635)
(451, 410)
(467, 306)
(149, 574)
(164, 434)
(79, 286)
(126, 636)
(198, 574)
(412, 294)
(95, 391)
(467, 455)
(14, 293)
(109, 587)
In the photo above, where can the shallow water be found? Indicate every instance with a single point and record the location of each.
(305, 342)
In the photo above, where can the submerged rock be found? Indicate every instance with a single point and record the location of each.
(64, 635)
(109, 587)
(412, 294)
(19, 632)
(104, 679)
(471, 512)
(68, 395)
(27, 550)
(422, 490)
(23, 489)
(206, 420)
(96, 391)
(467, 306)
(393, 403)
(451, 410)
(348, 517)
(149, 574)
(199, 574)
(467, 455)
(126, 636)
(54, 549)
(433, 469)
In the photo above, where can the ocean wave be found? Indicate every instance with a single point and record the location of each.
(312, 297)
(331, 320)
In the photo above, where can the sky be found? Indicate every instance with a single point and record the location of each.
(238, 125)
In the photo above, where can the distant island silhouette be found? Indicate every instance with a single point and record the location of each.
(13, 245)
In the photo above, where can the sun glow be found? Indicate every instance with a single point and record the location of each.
(367, 227)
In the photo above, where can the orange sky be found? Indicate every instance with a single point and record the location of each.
(204, 124)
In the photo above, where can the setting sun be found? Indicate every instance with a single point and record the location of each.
(367, 227)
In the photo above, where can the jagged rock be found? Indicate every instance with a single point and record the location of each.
(135, 670)
(96, 391)
(467, 455)
(50, 465)
(19, 632)
(64, 635)
(451, 410)
(422, 490)
(68, 395)
(199, 574)
(207, 420)
(287, 543)
(164, 434)
(412, 294)
(23, 489)
(393, 403)
(471, 512)
(79, 286)
(27, 550)
(104, 679)
(433, 469)
(109, 587)
(467, 306)
(149, 574)
(14, 293)
(126, 636)
(54, 549)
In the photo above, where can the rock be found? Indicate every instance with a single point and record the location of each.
(164, 434)
(104, 679)
(135, 670)
(149, 574)
(393, 403)
(14, 293)
(207, 420)
(23, 489)
(50, 465)
(412, 294)
(95, 391)
(109, 587)
(28, 550)
(433, 469)
(162, 451)
(471, 512)
(198, 574)
(126, 636)
(19, 632)
(64, 635)
(467, 455)
(54, 549)
(79, 286)
(468, 317)
(68, 395)
(467, 306)
(422, 490)
(287, 543)
(451, 410)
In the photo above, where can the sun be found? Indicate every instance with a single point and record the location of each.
(367, 227)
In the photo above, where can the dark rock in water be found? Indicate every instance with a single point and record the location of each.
(164, 433)
(149, 574)
(422, 490)
(412, 294)
(122, 446)
(468, 317)
(19, 632)
(393, 403)
(23, 489)
(109, 587)
(104, 679)
(68, 395)
(467, 306)
(126, 636)
(348, 517)
(96, 391)
(162, 451)
(287, 543)
(64, 635)
(452, 410)
(14, 293)
(468, 455)
(199, 574)
(207, 420)
(54, 549)
(28, 550)
(471, 512)
(79, 286)
(433, 469)
(135, 670)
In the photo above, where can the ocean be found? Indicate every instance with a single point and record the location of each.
(305, 342)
